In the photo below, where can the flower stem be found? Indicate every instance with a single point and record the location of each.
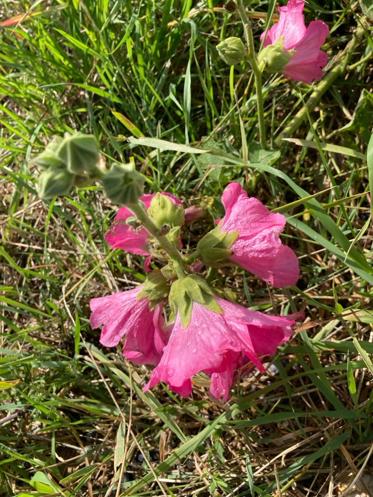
(167, 246)
(256, 70)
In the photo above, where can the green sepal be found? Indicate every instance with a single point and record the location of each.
(164, 212)
(215, 247)
(273, 58)
(232, 50)
(155, 288)
(55, 181)
(173, 235)
(191, 289)
(80, 153)
(123, 184)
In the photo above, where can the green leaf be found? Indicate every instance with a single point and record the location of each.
(164, 145)
(120, 443)
(4, 385)
(328, 147)
(41, 482)
(132, 128)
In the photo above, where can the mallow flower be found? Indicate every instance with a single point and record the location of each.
(293, 48)
(216, 340)
(127, 234)
(131, 316)
(249, 236)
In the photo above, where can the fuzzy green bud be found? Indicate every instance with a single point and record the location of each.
(215, 247)
(123, 185)
(274, 58)
(185, 291)
(165, 213)
(49, 157)
(232, 50)
(55, 181)
(80, 153)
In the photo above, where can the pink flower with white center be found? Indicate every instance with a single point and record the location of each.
(216, 344)
(126, 235)
(257, 247)
(129, 315)
(301, 44)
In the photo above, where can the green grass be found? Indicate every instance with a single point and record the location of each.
(74, 420)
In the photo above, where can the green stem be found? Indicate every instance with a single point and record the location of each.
(167, 246)
(256, 70)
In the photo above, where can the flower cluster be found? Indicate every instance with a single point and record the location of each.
(177, 323)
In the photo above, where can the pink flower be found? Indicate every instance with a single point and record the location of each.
(216, 344)
(125, 234)
(300, 42)
(258, 247)
(125, 314)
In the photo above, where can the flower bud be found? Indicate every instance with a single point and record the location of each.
(274, 58)
(55, 181)
(165, 213)
(49, 157)
(193, 213)
(232, 50)
(187, 290)
(80, 153)
(123, 185)
(214, 247)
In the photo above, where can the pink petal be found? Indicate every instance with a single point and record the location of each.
(146, 341)
(216, 344)
(247, 215)
(123, 236)
(290, 28)
(307, 62)
(258, 247)
(123, 314)
(114, 312)
(197, 348)
(221, 383)
(309, 72)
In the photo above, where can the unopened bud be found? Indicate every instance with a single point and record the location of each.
(193, 213)
(274, 58)
(123, 184)
(232, 50)
(55, 181)
(164, 212)
(49, 157)
(80, 153)
(215, 247)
